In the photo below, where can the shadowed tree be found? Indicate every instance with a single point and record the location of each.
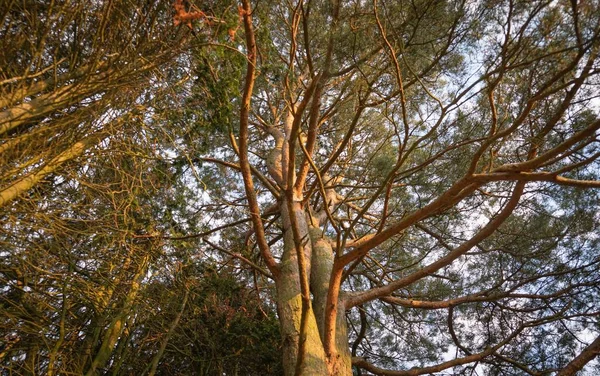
(85, 176)
(76, 81)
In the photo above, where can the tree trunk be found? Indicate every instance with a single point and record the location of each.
(319, 256)
(322, 264)
(117, 325)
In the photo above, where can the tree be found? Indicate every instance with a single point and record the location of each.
(82, 181)
(412, 187)
(76, 82)
(422, 171)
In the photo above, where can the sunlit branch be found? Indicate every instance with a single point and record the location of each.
(362, 363)
(536, 176)
(482, 234)
(243, 142)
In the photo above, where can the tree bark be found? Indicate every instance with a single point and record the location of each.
(289, 302)
(117, 325)
(586, 356)
(26, 183)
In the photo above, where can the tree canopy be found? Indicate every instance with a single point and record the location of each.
(300, 188)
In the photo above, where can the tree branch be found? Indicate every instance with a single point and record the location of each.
(243, 143)
(485, 232)
(586, 356)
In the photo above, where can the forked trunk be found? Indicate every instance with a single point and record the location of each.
(289, 303)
